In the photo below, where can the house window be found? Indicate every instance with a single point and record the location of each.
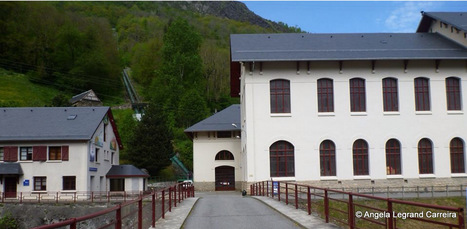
(281, 156)
(456, 148)
(224, 134)
(393, 157)
(40, 183)
(360, 157)
(357, 95)
(55, 153)
(425, 156)
(117, 184)
(224, 155)
(422, 94)
(327, 152)
(25, 153)
(453, 93)
(280, 96)
(69, 183)
(96, 159)
(325, 95)
(390, 95)
(1, 154)
(112, 158)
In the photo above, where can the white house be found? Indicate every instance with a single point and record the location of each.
(348, 110)
(62, 149)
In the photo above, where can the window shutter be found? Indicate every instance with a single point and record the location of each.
(65, 154)
(10, 153)
(39, 153)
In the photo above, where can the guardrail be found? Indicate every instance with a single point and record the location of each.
(357, 210)
(141, 212)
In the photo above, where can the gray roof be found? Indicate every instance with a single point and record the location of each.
(82, 96)
(220, 121)
(322, 47)
(456, 19)
(50, 123)
(125, 171)
(10, 169)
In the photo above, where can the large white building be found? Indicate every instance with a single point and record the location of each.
(62, 149)
(344, 110)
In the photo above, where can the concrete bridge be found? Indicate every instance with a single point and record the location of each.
(212, 210)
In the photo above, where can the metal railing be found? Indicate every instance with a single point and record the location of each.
(358, 210)
(139, 213)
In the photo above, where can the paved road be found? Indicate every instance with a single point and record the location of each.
(230, 210)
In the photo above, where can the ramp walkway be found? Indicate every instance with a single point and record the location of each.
(209, 210)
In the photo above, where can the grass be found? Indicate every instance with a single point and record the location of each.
(338, 212)
(16, 90)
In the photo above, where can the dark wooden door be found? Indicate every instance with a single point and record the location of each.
(225, 178)
(10, 187)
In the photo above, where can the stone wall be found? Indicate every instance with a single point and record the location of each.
(34, 215)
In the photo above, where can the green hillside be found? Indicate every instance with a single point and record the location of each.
(17, 91)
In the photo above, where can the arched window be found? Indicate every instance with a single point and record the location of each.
(456, 148)
(393, 157)
(280, 96)
(357, 95)
(327, 154)
(325, 95)
(224, 155)
(425, 156)
(453, 93)
(360, 157)
(422, 94)
(281, 156)
(390, 95)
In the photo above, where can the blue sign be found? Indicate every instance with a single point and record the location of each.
(275, 186)
(92, 169)
(26, 183)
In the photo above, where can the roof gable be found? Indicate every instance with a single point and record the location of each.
(87, 95)
(225, 120)
(50, 123)
(456, 19)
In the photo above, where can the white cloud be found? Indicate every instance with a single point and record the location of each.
(406, 18)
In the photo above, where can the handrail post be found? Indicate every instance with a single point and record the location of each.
(391, 219)
(170, 199)
(118, 217)
(251, 190)
(163, 204)
(56, 200)
(73, 224)
(286, 193)
(153, 216)
(92, 197)
(140, 213)
(326, 205)
(21, 197)
(175, 195)
(267, 188)
(460, 216)
(308, 200)
(351, 213)
(262, 190)
(272, 189)
(296, 197)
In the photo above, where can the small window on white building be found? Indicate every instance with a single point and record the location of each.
(69, 183)
(40, 183)
(117, 184)
(1, 154)
(55, 153)
(25, 153)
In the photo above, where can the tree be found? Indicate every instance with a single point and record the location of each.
(151, 145)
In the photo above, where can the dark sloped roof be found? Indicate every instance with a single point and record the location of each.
(220, 121)
(317, 47)
(81, 96)
(10, 169)
(50, 123)
(456, 19)
(125, 171)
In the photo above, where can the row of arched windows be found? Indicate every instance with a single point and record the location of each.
(281, 156)
(280, 94)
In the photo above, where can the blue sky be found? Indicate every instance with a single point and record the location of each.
(352, 16)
